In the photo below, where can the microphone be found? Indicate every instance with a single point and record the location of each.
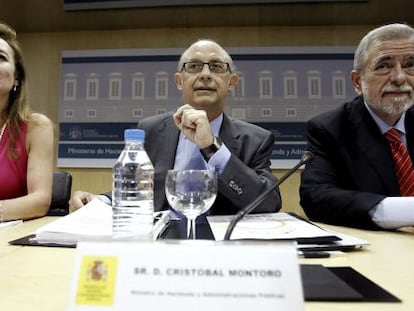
(306, 158)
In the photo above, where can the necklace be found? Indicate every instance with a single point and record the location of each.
(2, 130)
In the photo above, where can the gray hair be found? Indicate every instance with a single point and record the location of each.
(384, 33)
(227, 56)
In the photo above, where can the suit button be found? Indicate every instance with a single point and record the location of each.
(235, 187)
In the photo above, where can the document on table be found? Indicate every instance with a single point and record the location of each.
(11, 223)
(283, 226)
(91, 222)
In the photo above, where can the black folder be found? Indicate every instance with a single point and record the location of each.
(29, 240)
(341, 284)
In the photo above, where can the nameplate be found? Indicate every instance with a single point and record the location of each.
(186, 275)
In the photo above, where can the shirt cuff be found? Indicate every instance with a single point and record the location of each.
(394, 212)
(219, 159)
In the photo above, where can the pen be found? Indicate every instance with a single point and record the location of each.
(315, 254)
(161, 225)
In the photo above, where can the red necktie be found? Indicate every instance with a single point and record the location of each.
(403, 164)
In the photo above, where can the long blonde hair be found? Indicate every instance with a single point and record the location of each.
(17, 109)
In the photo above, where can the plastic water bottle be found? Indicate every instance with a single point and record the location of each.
(133, 190)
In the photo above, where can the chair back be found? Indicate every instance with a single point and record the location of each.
(62, 187)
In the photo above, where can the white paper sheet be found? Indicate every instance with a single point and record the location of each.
(266, 226)
(282, 226)
(91, 222)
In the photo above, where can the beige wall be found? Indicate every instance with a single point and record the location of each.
(43, 51)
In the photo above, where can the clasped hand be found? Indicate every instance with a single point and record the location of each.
(194, 124)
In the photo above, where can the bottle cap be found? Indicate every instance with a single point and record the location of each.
(134, 135)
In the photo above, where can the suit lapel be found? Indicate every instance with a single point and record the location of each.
(409, 128)
(165, 140)
(373, 145)
(230, 135)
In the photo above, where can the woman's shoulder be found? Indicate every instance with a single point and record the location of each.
(40, 130)
(39, 122)
(39, 119)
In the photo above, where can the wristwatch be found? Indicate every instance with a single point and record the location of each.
(208, 151)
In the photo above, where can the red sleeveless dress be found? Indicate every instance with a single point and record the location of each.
(13, 172)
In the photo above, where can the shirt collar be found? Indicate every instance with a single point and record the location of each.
(384, 127)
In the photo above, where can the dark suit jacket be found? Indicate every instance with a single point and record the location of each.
(246, 175)
(353, 169)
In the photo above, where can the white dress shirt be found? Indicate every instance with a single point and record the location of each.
(393, 212)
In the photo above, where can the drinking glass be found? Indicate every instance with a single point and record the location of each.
(191, 193)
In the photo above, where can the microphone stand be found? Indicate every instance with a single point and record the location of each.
(306, 158)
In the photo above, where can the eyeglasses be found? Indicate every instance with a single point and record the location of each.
(214, 67)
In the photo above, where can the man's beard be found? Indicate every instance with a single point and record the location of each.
(397, 106)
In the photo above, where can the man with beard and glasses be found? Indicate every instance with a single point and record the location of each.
(362, 174)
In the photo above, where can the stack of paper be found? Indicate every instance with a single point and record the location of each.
(11, 223)
(283, 226)
(91, 222)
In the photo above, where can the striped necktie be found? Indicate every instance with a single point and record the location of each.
(402, 161)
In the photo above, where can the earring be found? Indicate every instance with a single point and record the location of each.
(15, 88)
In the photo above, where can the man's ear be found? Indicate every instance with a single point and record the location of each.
(178, 81)
(234, 79)
(356, 81)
